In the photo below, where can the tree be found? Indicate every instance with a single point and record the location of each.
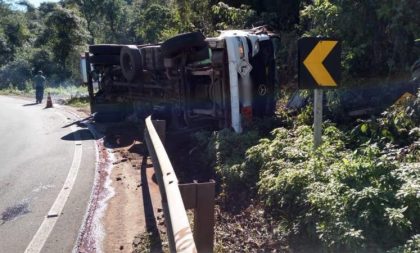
(156, 23)
(65, 35)
(115, 17)
(283, 15)
(227, 17)
(91, 11)
(14, 32)
(195, 15)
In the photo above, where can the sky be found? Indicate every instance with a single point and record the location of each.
(36, 3)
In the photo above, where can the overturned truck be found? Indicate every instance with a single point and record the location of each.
(189, 80)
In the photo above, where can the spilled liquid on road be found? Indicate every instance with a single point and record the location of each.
(15, 211)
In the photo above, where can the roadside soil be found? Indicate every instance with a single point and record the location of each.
(133, 219)
(124, 216)
(240, 226)
(132, 210)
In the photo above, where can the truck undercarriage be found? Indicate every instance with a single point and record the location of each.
(188, 80)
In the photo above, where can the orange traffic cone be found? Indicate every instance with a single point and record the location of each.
(49, 101)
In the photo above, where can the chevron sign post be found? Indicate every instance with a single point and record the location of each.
(319, 68)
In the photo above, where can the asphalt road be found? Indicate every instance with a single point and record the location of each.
(46, 176)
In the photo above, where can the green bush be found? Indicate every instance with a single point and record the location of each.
(226, 151)
(411, 246)
(397, 128)
(15, 73)
(351, 201)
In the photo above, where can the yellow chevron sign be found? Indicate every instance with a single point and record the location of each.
(319, 63)
(314, 63)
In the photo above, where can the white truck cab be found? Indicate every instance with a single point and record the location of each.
(239, 51)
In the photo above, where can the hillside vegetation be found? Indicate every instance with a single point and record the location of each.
(358, 192)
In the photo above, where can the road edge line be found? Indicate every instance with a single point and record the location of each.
(47, 225)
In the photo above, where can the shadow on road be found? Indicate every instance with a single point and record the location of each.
(82, 135)
(79, 123)
(31, 104)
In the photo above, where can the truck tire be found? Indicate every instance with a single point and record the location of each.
(261, 100)
(105, 59)
(181, 43)
(415, 66)
(105, 49)
(131, 62)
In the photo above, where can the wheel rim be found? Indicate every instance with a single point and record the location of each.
(262, 90)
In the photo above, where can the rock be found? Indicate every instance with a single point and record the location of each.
(118, 178)
(137, 241)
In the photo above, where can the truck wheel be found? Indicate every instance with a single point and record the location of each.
(105, 49)
(181, 43)
(264, 102)
(416, 66)
(105, 59)
(131, 62)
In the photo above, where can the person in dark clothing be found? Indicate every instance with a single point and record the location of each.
(39, 85)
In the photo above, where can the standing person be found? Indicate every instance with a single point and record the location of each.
(39, 85)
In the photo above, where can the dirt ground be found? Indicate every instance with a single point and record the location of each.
(124, 217)
(133, 219)
(132, 210)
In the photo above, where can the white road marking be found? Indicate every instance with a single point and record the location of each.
(51, 218)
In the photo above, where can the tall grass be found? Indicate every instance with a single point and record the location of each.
(61, 92)
(67, 92)
(72, 95)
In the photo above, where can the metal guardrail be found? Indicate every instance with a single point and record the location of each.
(179, 232)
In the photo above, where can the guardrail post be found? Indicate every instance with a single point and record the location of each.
(200, 197)
(204, 217)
